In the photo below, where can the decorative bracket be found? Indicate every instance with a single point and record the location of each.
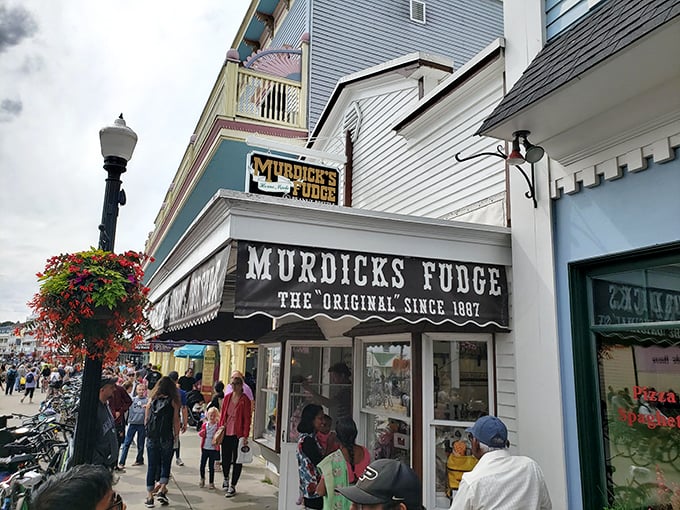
(531, 193)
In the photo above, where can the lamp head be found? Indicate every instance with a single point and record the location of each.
(533, 153)
(515, 157)
(118, 140)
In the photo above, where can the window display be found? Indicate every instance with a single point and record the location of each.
(269, 394)
(634, 320)
(387, 378)
(460, 394)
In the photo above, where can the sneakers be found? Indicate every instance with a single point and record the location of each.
(231, 492)
(225, 485)
(138, 464)
(211, 486)
(163, 498)
(179, 461)
(201, 484)
(149, 503)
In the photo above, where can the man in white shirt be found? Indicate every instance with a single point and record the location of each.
(500, 481)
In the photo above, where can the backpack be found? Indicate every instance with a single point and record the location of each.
(12, 374)
(152, 378)
(30, 377)
(159, 425)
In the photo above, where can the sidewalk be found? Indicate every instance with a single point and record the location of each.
(183, 490)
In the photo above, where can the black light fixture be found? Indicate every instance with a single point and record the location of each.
(117, 143)
(532, 154)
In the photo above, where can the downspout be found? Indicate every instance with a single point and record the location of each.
(349, 149)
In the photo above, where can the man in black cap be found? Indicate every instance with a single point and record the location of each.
(387, 484)
(106, 441)
(500, 480)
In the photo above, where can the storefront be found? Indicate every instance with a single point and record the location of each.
(626, 327)
(415, 309)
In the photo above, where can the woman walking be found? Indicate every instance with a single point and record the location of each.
(235, 418)
(162, 427)
(309, 455)
(342, 467)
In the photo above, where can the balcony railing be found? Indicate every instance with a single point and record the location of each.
(268, 98)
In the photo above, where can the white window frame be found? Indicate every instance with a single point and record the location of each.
(423, 5)
(429, 422)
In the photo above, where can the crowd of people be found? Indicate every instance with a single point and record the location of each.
(139, 406)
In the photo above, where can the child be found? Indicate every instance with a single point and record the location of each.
(326, 437)
(135, 426)
(209, 452)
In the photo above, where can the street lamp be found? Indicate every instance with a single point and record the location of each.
(118, 143)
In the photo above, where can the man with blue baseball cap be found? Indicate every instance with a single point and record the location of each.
(499, 481)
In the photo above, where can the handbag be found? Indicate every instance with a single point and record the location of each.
(245, 452)
(219, 435)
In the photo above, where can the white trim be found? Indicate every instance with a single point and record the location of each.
(608, 165)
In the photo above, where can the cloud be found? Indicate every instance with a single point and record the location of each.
(10, 108)
(16, 24)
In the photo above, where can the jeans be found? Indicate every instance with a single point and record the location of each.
(138, 429)
(159, 457)
(229, 452)
(209, 457)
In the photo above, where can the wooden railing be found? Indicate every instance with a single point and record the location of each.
(268, 98)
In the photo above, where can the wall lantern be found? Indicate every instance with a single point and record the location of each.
(532, 154)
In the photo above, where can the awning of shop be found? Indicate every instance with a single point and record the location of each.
(224, 327)
(251, 255)
(190, 351)
(300, 330)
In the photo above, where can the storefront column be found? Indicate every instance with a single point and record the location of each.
(181, 365)
(225, 361)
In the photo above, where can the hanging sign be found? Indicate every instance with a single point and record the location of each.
(279, 280)
(291, 178)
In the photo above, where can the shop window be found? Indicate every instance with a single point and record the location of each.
(268, 392)
(635, 324)
(386, 399)
(320, 375)
(457, 367)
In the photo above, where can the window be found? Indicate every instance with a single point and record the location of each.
(635, 320)
(268, 393)
(386, 398)
(625, 314)
(460, 380)
(418, 11)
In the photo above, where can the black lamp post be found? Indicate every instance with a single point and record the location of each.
(117, 142)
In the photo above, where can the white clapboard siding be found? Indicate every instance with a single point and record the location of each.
(422, 177)
(352, 35)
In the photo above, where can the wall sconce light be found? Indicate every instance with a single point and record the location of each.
(532, 154)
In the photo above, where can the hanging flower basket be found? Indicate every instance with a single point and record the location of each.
(93, 303)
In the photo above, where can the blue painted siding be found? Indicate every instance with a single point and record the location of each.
(559, 14)
(353, 35)
(226, 170)
(293, 26)
(636, 211)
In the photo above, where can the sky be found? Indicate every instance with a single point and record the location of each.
(69, 68)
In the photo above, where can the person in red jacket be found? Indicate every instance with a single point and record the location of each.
(235, 418)
(119, 403)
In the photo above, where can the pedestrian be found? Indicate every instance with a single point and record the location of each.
(45, 378)
(11, 376)
(152, 376)
(106, 441)
(83, 487)
(136, 415)
(235, 418)
(309, 455)
(31, 382)
(210, 451)
(162, 428)
(119, 403)
(500, 480)
(184, 415)
(386, 484)
(187, 381)
(218, 397)
(246, 389)
(343, 466)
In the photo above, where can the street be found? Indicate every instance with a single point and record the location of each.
(183, 490)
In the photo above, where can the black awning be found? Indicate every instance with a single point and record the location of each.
(300, 330)
(224, 327)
